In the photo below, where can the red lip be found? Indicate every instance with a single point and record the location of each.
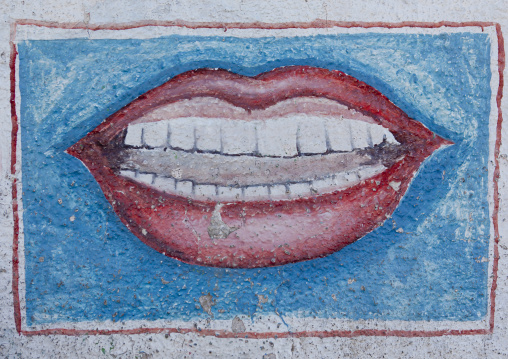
(259, 232)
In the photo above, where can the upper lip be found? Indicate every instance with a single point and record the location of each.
(103, 150)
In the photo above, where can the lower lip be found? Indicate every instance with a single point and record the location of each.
(264, 233)
(269, 233)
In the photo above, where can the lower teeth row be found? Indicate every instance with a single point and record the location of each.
(249, 193)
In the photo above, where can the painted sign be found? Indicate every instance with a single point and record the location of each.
(263, 181)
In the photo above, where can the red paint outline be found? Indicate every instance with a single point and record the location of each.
(257, 25)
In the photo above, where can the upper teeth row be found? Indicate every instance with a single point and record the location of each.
(198, 191)
(279, 137)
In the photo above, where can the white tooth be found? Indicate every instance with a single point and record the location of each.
(389, 137)
(205, 190)
(165, 184)
(359, 134)
(311, 136)
(278, 191)
(345, 179)
(134, 134)
(339, 135)
(299, 189)
(238, 137)
(128, 174)
(377, 134)
(145, 178)
(155, 134)
(255, 191)
(351, 177)
(229, 193)
(324, 184)
(208, 134)
(277, 137)
(182, 133)
(367, 172)
(184, 187)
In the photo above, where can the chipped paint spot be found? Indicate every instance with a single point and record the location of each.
(217, 228)
(395, 185)
(261, 300)
(207, 302)
(177, 173)
(237, 326)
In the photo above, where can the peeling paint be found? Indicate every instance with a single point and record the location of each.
(237, 326)
(395, 185)
(207, 302)
(217, 228)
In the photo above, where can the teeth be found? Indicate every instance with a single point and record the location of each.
(359, 134)
(377, 134)
(205, 190)
(326, 183)
(182, 133)
(184, 188)
(278, 137)
(128, 174)
(260, 192)
(134, 136)
(284, 145)
(208, 135)
(229, 193)
(339, 135)
(146, 178)
(238, 137)
(299, 189)
(390, 138)
(349, 177)
(165, 184)
(279, 191)
(370, 171)
(311, 136)
(155, 134)
(255, 192)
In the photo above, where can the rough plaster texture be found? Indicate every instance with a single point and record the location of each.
(193, 344)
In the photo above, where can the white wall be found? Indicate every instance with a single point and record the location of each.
(13, 345)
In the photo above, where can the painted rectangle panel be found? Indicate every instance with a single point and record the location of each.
(115, 237)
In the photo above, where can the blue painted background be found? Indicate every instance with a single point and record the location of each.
(94, 269)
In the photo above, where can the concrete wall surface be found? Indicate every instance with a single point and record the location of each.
(253, 179)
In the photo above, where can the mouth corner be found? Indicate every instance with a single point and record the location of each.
(79, 149)
(446, 143)
(442, 143)
(73, 151)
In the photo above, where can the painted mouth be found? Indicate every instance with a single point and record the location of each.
(290, 150)
(218, 169)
